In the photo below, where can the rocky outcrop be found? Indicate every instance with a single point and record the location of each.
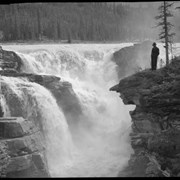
(21, 149)
(156, 128)
(132, 59)
(4, 159)
(10, 60)
(67, 100)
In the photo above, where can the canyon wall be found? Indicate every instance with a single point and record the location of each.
(156, 127)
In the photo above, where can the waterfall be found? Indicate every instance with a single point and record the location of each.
(4, 106)
(99, 144)
(44, 110)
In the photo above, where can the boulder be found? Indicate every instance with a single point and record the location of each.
(31, 165)
(25, 145)
(17, 127)
(22, 149)
(10, 60)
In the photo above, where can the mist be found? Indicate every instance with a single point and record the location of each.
(96, 142)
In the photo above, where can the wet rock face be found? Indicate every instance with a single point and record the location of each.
(15, 127)
(22, 150)
(133, 58)
(10, 60)
(156, 95)
(63, 92)
(165, 143)
(4, 159)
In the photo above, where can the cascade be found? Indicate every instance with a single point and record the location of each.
(98, 145)
(36, 102)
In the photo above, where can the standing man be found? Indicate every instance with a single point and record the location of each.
(154, 56)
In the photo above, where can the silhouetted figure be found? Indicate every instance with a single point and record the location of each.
(154, 56)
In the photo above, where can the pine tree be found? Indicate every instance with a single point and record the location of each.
(86, 21)
(165, 35)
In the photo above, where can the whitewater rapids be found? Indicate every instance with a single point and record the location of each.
(101, 145)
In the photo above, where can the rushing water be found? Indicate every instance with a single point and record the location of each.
(100, 146)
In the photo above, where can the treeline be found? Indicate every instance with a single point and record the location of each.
(78, 21)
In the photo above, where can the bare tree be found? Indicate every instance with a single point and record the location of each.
(166, 36)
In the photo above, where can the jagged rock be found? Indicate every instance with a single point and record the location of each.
(165, 143)
(144, 122)
(137, 142)
(174, 164)
(66, 99)
(29, 144)
(21, 149)
(152, 88)
(156, 95)
(141, 135)
(19, 163)
(40, 79)
(138, 166)
(31, 165)
(9, 71)
(152, 170)
(147, 126)
(140, 139)
(17, 127)
(11, 61)
(4, 159)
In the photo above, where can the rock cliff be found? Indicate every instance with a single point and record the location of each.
(156, 127)
(22, 149)
(10, 60)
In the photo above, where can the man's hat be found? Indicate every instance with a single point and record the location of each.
(154, 44)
